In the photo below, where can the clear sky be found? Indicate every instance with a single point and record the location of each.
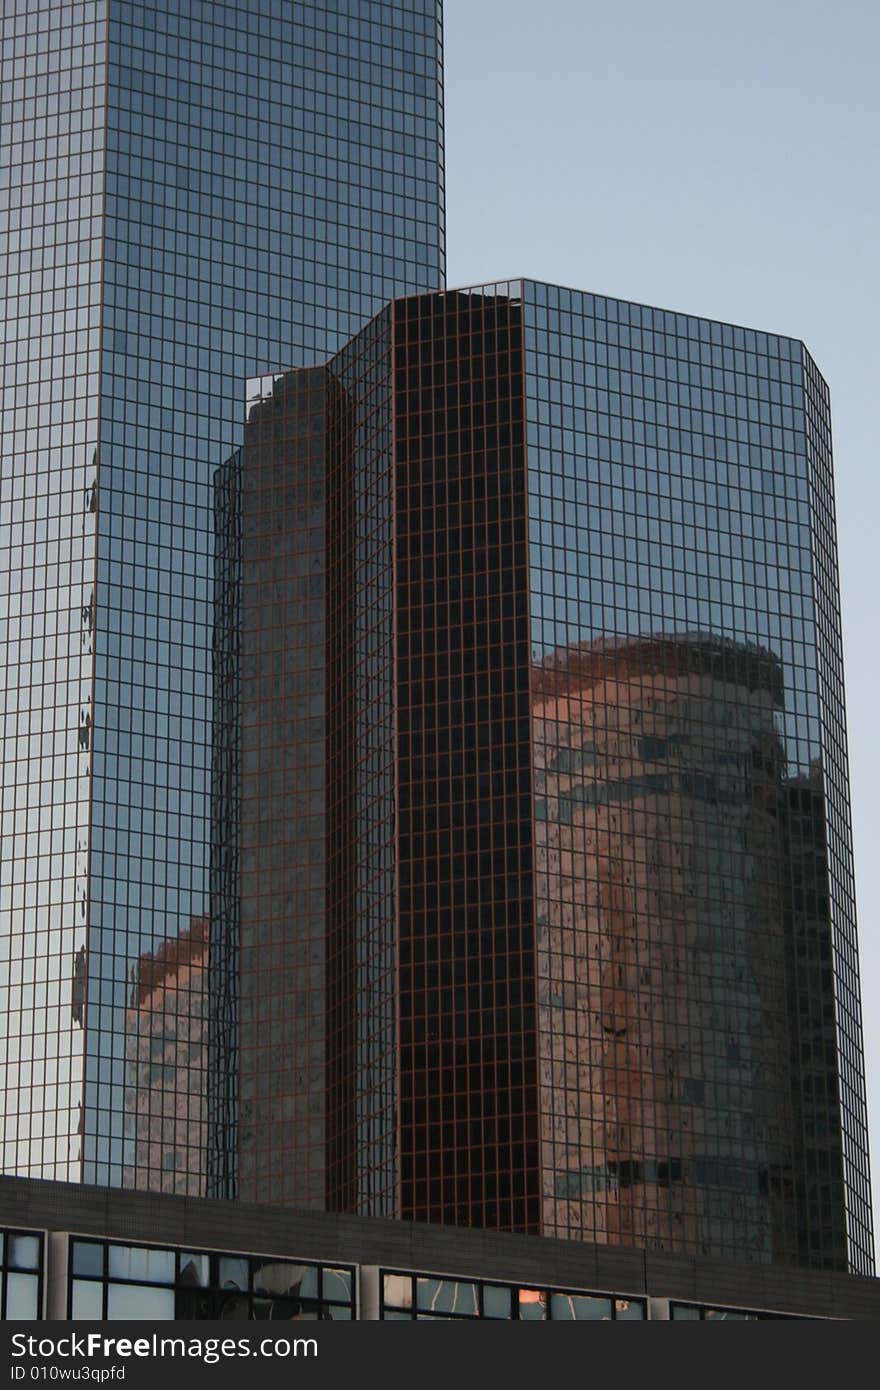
(718, 157)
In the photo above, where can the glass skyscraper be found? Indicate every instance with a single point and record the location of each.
(560, 758)
(189, 193)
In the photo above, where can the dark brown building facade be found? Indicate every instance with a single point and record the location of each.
(536, 893)
(469, 1100)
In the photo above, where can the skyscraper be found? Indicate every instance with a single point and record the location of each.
(553, 863)
(190, 193)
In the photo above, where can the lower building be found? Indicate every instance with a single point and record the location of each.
(91, 1254)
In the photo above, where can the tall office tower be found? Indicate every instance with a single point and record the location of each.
(531, 780)
(191, 190)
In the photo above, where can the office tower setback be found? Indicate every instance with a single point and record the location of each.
(189, 192)
(532, 829)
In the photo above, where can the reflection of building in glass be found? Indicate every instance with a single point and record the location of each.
(303, 832)
(270, 784)
(566, 691)
(167, 1058)
(423, 1297)
(666, 1109)
(111, 1282)
(290, 179)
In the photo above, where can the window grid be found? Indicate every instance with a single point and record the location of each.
(111, 1281)
(21, 1275)
(406, 1296)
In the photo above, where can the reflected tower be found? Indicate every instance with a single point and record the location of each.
(662, 953)
(167, 1064)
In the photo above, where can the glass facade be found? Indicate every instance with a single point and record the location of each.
(699, 1002)
(406, 1296)
(385, 976)
(189, 194)
(107, 1279)
(621, 900)
(52, 187)
(21, 1275)
(110, 1282)
(303, 825)
(696, 1312)
(426, 796)
(466, 947)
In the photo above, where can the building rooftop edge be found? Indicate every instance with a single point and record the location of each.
(152, 1218)
(523, 280)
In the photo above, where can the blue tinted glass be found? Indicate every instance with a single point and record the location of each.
(693, 847)
(205, 193)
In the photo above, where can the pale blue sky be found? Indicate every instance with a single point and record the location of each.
(720, 158)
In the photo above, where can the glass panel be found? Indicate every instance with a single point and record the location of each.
(681, 1313)
(233, 1273)
(532, 1305)
(496, 1301)
(447, 1296)
(583, 1309)
(22, 1296)
(337, 1285)
(88, 1258)
(129, 1262)
(194, 1270)
(87, 1301)
(281, 1278)
(338, 1312)
(139, 1304)
(398, 1290)
(236, 1307)
(24, 1252)
(629, 1310)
